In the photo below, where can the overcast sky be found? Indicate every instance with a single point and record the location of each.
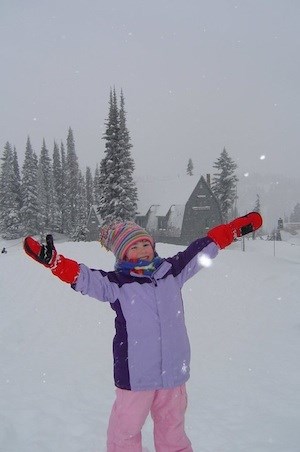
(196, 75)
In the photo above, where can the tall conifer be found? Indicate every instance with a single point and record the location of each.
(118, 192)
(72, 177)
(89, 189)
(96, 186)
(45, 180)
(190, 168)
(17, 180)
(10, 224)
(42, 201)
(64, 214)
(224, 184)
(29, 191)
(56, 194)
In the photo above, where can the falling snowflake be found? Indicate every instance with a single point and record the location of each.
(184, 368)
(204, 260)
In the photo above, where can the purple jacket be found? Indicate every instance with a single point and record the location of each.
(151, 347)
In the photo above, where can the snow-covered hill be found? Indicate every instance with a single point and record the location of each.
(243, 318)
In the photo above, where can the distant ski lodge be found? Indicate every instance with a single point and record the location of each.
(173, 211)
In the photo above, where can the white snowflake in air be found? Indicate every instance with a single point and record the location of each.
(184, 368)
(204, 260)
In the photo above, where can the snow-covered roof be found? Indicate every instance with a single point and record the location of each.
(164, 193)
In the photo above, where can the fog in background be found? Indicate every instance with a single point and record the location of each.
(197, 76)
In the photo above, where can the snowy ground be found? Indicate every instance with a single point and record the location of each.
(243, 317)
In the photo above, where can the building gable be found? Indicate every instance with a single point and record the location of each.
(193, 211)
(173, 211)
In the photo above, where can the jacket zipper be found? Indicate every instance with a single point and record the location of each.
(154, 281)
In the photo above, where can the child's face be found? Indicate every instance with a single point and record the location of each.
(140, 250)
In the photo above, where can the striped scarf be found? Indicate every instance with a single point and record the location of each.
(144, 268)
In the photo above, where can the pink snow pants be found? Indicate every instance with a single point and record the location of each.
(130, 411)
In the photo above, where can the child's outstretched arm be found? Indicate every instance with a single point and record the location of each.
(224, 234)
(65, 269)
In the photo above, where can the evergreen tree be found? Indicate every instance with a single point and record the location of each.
(44, 185)
(42, 201)
(118, 198)
(79, 230)
(96, 186)
(55, 211)
(10, 224)
(295, 215)
(17, 180)
(190, 168)
(89, 186)
(63, 184)
(56, 165)
(72, 177)
(257, 207)
(29, 191)
(127, 165)
(56, 190)
(224, 184)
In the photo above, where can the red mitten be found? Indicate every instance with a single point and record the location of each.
(248, 223)
(224, 234)
(44, 254)
(65, 269)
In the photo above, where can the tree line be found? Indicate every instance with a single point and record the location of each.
(48, 193)
(51, 193)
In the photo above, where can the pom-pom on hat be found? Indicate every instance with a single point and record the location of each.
(119, 237)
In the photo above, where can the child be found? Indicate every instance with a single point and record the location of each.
(151, 347)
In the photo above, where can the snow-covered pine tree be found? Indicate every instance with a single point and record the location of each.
(127, 166)
(72, 175)
(17, 181)
(224, 184)
(42, 202)
(107, 178)
(55, 211)
(44, 186)
(89, 187)
(56, 167)
(190, 168)
(10, 223)
(56, 190)
(29, 191)
(63, 184)
(118, 198)
(295, 215)
(96, 186)
(80, 231)
(257, 206)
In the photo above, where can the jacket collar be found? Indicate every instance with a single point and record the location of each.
(158, 273)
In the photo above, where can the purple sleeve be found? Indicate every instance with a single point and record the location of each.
(197, 255)
(96, 284)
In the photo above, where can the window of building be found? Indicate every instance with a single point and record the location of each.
(201, 208)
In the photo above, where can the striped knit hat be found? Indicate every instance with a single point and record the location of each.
(118, 237)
